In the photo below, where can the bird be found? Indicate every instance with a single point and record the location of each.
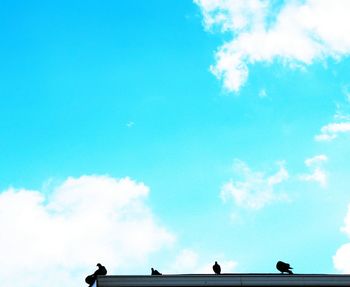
(284, 267)
(155, 272)
(217, 268)
(101, 270)
(92, 278)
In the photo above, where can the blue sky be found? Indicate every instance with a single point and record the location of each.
(213, 130)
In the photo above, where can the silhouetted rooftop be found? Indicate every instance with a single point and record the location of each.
(237, 279)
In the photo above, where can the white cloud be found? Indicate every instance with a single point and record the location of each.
(56, 239)
(317, 173)
(341, 258)
(332, 130)
(189, 261)
(336, 128)
(316, 160)
(254, 189)
(341, 120)
(297, 34)
(325, 137)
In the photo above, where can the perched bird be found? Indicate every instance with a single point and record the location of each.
(155, 272)
(92, 278)
(217, 268)
(284, 267)
(101, 270)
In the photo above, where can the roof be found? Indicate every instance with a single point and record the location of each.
(251, 280)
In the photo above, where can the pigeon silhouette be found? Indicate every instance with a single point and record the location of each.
(92, 278)
(284, 267)
(155, 272)
(217, 268)
(101, 270)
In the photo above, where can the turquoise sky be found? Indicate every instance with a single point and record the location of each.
(246, 170)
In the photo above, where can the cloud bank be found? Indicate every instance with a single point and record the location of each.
(57, 239)
(296, 33)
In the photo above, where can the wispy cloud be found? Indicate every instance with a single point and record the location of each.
(341, 120)
(297, 34)
(331, 131)
(84, 220)
(317, 172)
(251, 189)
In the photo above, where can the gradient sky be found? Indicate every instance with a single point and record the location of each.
(191, 131)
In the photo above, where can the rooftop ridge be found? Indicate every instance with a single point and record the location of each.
(228, 274)
(225, 280)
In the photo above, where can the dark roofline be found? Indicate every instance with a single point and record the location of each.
(225, 280)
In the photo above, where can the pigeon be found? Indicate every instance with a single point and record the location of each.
(101, 270)
(155, 272)
(284, 267)
(92, 278)
(217, 268)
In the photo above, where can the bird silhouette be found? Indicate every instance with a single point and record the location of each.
(284, 267)
(155, 272)
(217, 268)
(92, 278)
(101, 270)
